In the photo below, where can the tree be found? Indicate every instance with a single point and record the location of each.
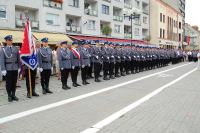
(106, 30)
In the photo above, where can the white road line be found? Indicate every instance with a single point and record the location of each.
(63, 102)
(97, 127)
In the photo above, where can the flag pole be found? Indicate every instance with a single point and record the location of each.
(30, 85)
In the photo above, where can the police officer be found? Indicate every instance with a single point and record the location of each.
(117, 59)
(106, 60)
(112, 60)
(65, 57)
(45, 65)
(33, 75)
(9, 66)
(90, 49)
(76, 64)
(85, 61)
(97, 58)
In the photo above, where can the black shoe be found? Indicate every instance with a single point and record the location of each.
(28, 95)
(91, 77)
(64, 87)
(97, 80)
(48, 91)
(78, 84)
(123, 74)
(117, 76)
(44, 91)
(87, 82)
(105, 78)
(112, 77)
(10, 99)
(68, 87)
(15, 98)
(100, 76)
(74, 84)
(35, 94)
(84, 83)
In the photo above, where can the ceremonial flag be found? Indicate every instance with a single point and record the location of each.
(28, 53)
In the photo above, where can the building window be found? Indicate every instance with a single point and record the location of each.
(3, 12)
(160, 33)
(105, 9)
(137, 3)
(52, 19)
(91, 25)
(163, 33)
(74, 3)
(161, 17)
(145, 20)
(53, 4)
(180, 25)
(137, 21)
(179, 37)
(137, 32)
(117, 28)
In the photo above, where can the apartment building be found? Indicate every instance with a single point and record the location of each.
(192, 37)
(166, 25)
(77, 17)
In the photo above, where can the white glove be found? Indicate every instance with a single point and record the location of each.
(52, 69)
(83, 66)
(73, 67)
(97, 57)
(62, 68)
(112, 56)
(89, 65)
(40, 69)
(4, 72)
(108, 58)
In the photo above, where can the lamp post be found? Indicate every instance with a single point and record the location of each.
(131, 17)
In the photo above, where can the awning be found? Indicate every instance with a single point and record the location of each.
(91, 38)
(54, 38)
(17, 35)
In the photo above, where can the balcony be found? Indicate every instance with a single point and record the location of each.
(127, 5)
(145, 11)
(91, 12)
(118, 18)
(127, 35)
(20, 23)
(73, 29)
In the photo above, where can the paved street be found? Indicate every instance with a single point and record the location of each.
(175, 109)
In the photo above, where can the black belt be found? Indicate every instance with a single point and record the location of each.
(65, 59)
(45, 62)
(11, 62)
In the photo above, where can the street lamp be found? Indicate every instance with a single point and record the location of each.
(131, 17)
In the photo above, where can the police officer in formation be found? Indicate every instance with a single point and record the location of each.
(114, 59)
(85, 60)
(45, 64)
(65, 57)
(10, 64)
(76, 63)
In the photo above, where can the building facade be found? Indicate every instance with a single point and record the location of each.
(81, 17)
(192, 37)
(165, 25)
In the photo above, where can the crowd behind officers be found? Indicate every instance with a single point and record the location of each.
(87, 57)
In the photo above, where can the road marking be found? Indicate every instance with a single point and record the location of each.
(97, 127)
(164, 75)
(70, 100)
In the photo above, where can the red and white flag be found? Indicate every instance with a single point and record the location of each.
(28, 52)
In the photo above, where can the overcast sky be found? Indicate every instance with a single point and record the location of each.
(193, 12)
